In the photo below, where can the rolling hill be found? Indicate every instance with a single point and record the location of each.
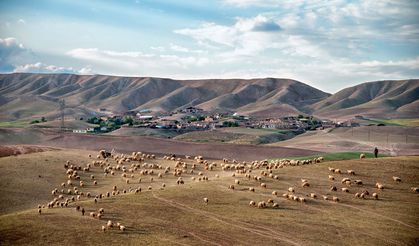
(392, 99)
(33, 95)
(26, 96)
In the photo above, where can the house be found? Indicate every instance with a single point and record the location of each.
(79, 131)
(145, 117)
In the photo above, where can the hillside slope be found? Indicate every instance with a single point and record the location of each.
(392, 98)
(32, 95)
(24, 96)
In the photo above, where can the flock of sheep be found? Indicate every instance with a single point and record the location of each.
(135, 167)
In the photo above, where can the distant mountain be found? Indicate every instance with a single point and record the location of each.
(25, 96)
(380, 99)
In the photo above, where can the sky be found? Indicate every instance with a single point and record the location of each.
(328, 44)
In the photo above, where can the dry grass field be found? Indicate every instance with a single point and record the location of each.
(178, 215)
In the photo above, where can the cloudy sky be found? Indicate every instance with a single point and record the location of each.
(328, 44)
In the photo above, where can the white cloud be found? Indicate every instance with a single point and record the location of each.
(42, 68)
(178, 48)
(86, 70)
(11, 52)
(21, 21)
(134, 62)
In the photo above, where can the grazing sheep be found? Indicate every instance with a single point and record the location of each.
(109, 224)
(351, 172)
(206, 200)
(331, 169)
(290, 189)
(101, 211)
(237, 181)
(337, 171)
(362, 156)
(263, 185)
(375, 195)
(92, 214)
(345, 189)
(358, 182)
(313, 195)
(274, 193)
(103, 228)
(262, 204)
(252, 189)
(305, 184)
(325, 198)
(414, 189)
(397, 179)
(335, 199)
(379, 186)
(252, 203)
(270, 201)
(39, 211)
(331, 177)
(121, 227)
(231, 187)
(344, 180)
(302, 199)
(275, 205)
(333, 188)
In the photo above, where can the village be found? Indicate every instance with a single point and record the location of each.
(195, 119)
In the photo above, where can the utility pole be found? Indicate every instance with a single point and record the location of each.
(62, 107)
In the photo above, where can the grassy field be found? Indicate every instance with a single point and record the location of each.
(338, 156)
(177, 215)
(15, 124)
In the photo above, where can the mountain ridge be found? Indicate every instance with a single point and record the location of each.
(27, 95)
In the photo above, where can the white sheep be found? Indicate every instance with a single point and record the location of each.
(362, 156)
(350, 172)
(263, 185)
(252, 203)
(206, 200)
(375, 195)
(109, 224)
(397, 179)
(290, 189)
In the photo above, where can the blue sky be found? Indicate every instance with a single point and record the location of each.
(327, 44)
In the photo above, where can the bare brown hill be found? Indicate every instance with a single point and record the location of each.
(381, 99)
(24, 95)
